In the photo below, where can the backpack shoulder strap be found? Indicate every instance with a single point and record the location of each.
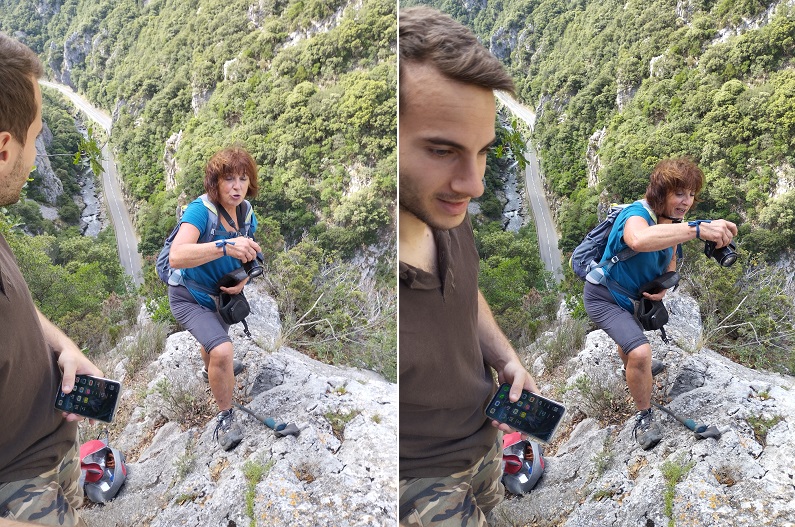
(646, 206)
(212, 219)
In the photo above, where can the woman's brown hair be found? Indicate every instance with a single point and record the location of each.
(230, 162)
(669, 176)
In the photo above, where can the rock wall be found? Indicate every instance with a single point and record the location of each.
(51, 186)
(599, 477)
(181, 476)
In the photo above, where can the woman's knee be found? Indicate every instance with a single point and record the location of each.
(640, 354)
(222, 353)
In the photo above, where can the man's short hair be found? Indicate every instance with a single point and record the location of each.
(19, 69)
(426, 36)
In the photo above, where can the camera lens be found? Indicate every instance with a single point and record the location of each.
(253, 268)
(727, 260)
(725, 256)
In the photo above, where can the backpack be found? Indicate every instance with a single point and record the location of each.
(172, 276)
(588, 254)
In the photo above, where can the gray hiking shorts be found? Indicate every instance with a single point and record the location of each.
(204, 324)
(620, 324)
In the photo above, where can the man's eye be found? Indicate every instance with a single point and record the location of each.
(440, 152)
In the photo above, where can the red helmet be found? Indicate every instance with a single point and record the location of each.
(524, 463)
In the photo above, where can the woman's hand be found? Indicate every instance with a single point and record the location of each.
(656, 296)
(719, 231)
(242, 248)
(235, 289)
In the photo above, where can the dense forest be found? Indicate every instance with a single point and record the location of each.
(617, 86)
(307, 86)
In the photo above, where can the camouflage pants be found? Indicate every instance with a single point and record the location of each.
(48, 499)
(463, 499)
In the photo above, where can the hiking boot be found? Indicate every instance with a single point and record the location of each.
(646, 432)
(657, 366)
(227, 432)
(237, 367)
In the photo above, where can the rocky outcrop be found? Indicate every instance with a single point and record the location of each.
(199, 97)
(50, 186)
(75, 49)
(592, 156)
(502, 42)
(339, 471)
(170, 164)
(321, 26)
(624, 95)
(599, 477)
(751, 24)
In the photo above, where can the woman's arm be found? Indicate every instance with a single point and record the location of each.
(642, 237)
(186, 253)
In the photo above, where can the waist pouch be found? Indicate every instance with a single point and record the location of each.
(232, 308)
(652, 313)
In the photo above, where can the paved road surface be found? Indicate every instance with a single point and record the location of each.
(125, 234)
(545, 226)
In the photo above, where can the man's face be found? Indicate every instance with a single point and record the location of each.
(17, 161)
(446, 129)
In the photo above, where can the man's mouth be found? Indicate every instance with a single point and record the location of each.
(454, 208)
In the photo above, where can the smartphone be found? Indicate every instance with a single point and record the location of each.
(532, 414)
(92, 397)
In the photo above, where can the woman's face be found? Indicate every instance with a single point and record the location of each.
(679, 202)
(232, 189)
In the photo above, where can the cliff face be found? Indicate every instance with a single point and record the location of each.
(339, 471)
(51, 186)
(599, 477)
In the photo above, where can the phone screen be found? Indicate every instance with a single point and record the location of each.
(532, 414)
(92, 397)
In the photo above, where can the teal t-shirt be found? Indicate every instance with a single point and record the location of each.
(641, 268)
(208, 274)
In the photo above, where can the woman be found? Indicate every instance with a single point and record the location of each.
(230, 177)
(673, 188)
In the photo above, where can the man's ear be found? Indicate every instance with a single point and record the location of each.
(6, 142)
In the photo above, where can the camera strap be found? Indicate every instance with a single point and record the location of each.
(240, 219)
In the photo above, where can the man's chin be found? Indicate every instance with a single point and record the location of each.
(445, 222)
(437, 220)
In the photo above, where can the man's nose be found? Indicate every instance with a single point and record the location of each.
(469, 177)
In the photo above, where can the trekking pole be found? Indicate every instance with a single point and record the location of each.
(701, 431)
(281, 429)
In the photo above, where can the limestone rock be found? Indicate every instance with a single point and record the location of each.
(340, 471)
(599, 476)
(51, 186)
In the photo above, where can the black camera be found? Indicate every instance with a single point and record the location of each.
(254, 267)
(726, 256)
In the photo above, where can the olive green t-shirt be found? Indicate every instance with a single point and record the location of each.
(34, 436)
(444, 382)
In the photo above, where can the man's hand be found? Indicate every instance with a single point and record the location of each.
(72, 361)
(515, 374)
(501, 356)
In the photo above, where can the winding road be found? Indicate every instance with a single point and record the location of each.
(126, 239)
(545, 226)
